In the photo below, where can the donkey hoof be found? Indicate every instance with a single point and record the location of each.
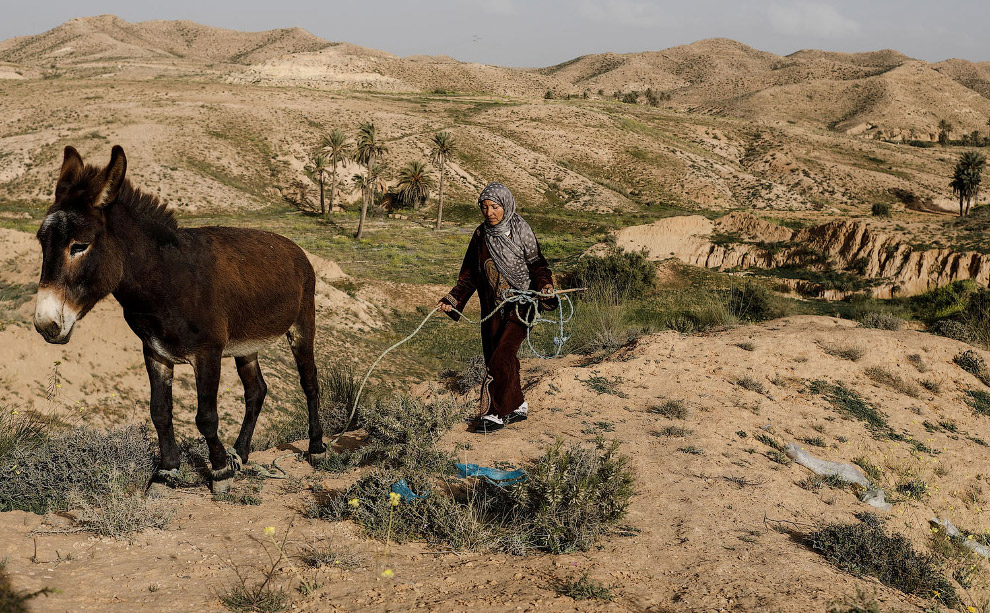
(222, 480)
(316, 458)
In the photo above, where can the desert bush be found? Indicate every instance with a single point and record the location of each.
(865, 548)
(846, 352)
(976, 316)
(601, 325)
(848, 402)
(613, 277)
(861, 603)
(671, 409)
(881, 320)
(752, 384)
(672, 432)
(979, 401)
(332, 557)
(754, 302)
(81, 464)
(974, 364)
(20, 431)
(469, 378)
(583, 588)
(881, 209)
(119, 512)
(951, 328)
(918, 362)
(572, 497)
(402, 433)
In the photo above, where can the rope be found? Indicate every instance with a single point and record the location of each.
(509, 296)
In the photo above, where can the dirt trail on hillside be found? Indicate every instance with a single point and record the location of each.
(702, 496)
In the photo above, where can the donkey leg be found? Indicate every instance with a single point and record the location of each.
(207, 368)
(160, 376)
(254, 396)
(301, 337)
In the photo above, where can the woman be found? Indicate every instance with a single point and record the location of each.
(503, 254)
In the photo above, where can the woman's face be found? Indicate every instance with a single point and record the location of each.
(492, 211)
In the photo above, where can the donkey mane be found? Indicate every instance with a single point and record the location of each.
(146, 209)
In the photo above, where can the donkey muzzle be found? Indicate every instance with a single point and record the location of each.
(53, 318)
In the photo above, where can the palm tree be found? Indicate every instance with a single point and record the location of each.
(415, 183)
(944, 127)
(966, 179)
(368, 151)
(338, 148)
(368, 184)
(442, 152)
(317, 170)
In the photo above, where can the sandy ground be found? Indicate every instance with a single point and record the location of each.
(703, 544)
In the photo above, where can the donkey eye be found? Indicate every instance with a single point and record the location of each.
(78, 248)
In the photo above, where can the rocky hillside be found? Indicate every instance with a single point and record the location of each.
(739, 241)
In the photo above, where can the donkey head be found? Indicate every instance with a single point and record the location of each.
(82, 262)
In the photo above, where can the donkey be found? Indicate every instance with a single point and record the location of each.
(192, 295)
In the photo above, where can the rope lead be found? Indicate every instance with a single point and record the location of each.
(518, 297)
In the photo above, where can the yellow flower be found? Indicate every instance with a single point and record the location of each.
(353, 502)
(388, 573)
(971, 609)
(394, 498)
(270, 530)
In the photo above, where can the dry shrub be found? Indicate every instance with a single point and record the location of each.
(865, 548)
(846, 352)
(973, 363)
(573, 496)
(881, 320)
(468, 379)
(885, 377)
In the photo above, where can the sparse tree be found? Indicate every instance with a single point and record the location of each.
(443, 150)
(414, 184)
(338, 148)
(651, 97)
(368, 152)
(317, 170)
(370, 183)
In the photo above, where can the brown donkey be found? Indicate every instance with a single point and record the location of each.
(192, 295)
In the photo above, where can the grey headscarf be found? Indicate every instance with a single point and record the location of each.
(511, 243)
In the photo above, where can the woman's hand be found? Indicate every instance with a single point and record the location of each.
(547, 289)
(444, 306)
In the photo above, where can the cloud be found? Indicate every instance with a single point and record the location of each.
(811, 19)
(631, 13)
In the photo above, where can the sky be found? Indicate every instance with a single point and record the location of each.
(536, 33)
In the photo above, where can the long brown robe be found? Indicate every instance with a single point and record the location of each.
(501, 335)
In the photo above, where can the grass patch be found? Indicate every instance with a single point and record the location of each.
(916, 360)
(887, 378)
(881, 320)
(913, 488)
(673, 432)
(602, 385)
(769, 441)
(332, 557)
(779, 457)
(813, 483)
(583, 588)
(979, 401)
(931, 385)
(814, 441)
(671, 409)
(865, 548)
(851, 404)
(752, 384)
(871, 469)
(846, 352)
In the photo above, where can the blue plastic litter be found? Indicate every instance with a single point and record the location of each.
(501, 478)
(402, 488)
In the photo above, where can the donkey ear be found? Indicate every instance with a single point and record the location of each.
(72, 163)
(113, 178)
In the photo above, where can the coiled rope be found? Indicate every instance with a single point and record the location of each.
(519, 298)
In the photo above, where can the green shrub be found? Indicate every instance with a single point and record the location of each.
(952, 328)
(848, 402)
(974, 364)
(979, 401)
(942, 302)
(77, 465)
(881, 209)
(885, 377)
(977, 316)
(865, 548)
(614, 277)
(671, 409)
(754, 302)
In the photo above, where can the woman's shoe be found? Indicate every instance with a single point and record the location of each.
(520, 414)
(489, 423)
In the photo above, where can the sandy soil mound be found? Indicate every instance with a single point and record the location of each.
(705, 487)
